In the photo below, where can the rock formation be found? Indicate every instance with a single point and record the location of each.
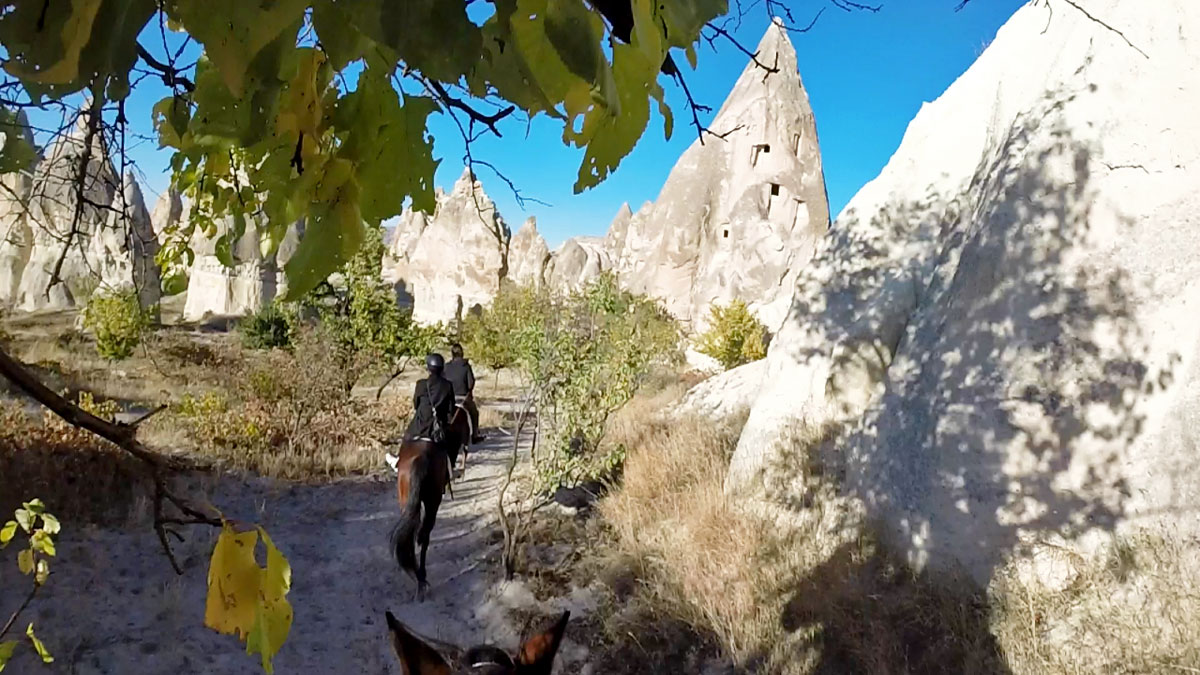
(528, 255)
(1003, 324)
(16, 236)
(576, 262)
(111, 245)
(451, 262)
(738, 217)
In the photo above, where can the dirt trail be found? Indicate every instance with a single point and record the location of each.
(114, 606)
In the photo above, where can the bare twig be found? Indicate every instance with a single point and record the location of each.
(13, 619)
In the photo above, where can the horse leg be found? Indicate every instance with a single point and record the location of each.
(431, 509)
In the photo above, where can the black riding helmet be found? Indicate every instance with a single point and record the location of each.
(434, 363)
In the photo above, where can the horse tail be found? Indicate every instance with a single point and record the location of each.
(405, 532)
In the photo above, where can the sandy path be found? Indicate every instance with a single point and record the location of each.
(113, 604)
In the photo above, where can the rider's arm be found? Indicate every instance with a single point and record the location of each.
(470, 379)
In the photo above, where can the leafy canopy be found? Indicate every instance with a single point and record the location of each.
(317, 109)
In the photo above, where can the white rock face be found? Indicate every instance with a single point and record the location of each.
(1005, 320)
(727, 394)
(575, 263)
(528, 255)
(16, 237)
(111, 247)
(217, 290)
(453, 261)
(738, 217)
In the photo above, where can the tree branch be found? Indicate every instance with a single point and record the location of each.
(123, 436)
(170, 74)
(487, 120)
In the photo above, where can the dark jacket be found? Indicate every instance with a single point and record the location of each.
(459, 372)
(433, 395)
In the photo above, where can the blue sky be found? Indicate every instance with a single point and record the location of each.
(866, 74)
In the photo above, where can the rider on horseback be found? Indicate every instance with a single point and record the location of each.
(432, 399)
(462, 377)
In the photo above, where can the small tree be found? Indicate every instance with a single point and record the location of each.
(734, 336)
(118, 320)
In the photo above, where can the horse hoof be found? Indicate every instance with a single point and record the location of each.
(422, 591)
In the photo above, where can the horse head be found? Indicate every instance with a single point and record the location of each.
(418, 657)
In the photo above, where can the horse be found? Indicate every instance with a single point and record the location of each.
(458, 436)
(423, 473)
(419, 657)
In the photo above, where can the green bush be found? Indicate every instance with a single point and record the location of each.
(118, 321)
(582, 357)
(269, 328)
(734, 337)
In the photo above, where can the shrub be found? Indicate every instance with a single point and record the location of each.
(289, 414)
(734, 337)
(582, 356)
(118, 321)
(269, 328)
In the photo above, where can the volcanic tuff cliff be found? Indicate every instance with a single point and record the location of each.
(453, 261)
(112, 247)
(738, 217)
(1004, 324)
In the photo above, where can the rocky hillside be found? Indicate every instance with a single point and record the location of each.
(1002, 325)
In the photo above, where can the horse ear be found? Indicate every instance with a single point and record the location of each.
(416, 657)
(537, 653)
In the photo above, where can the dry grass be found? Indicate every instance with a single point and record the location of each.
(802, 592)
(80, 477)
(1135, 608)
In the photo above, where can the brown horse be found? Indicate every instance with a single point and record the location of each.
(418, 657)
(423, 472)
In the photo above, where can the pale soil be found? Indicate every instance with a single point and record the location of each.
(113, 605)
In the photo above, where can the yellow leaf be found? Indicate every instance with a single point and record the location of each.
(25, 561)
(273, 620)
(233, 583)
(43, 572)
(9, 531)
(6, 652)
(246, 599)
(38, 646)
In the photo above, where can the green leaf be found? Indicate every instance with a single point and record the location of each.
(25, 519)
(25, 561)
(332, 235)
(9, 531)
(342, 41)
(46, 46)
(50, 524)
(388, 142)
(234, 32)
(42, 543)
(683, 20)
(38, 646)
(17, 152)
(35, 506)
(574, 31)
(170, 118)
(6, 652)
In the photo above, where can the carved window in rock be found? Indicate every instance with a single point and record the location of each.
(800, 219)
(770, 191)
(796, 144)
(756, 149)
